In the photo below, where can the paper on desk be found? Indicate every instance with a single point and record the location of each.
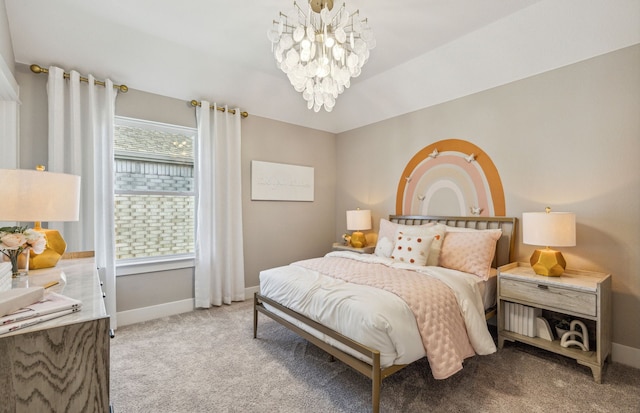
(8, 328)
(17, 298)
(51, 303)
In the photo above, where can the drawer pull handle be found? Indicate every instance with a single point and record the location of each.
(543, 287)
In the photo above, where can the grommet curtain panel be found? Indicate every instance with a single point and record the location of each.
(9, 100)
(219, 268)
(81, 127)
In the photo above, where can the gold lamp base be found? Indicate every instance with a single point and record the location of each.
(548, 262)
(56, 246)
(358, 240)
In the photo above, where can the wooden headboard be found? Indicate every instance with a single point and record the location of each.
(505, 247)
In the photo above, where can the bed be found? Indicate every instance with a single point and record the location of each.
(423, 293)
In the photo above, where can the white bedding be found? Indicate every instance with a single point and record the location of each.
(371, 316)
(489, 289)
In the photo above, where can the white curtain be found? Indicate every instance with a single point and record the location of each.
(81, 119)
(8, 118)
(219, 271)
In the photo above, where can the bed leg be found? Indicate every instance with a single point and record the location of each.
(376, 382)
(255, 315)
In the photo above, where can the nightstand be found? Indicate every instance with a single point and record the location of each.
(582, 295)
(338, 246)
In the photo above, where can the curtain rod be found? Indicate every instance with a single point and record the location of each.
(38, 69)
(195, 103)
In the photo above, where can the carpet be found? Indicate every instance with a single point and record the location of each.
(208, 361)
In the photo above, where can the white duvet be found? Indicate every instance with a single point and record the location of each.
(374, 317)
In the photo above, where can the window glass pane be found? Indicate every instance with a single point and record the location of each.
(154, 189)
(134, 175)
(154, 225)
(148, 140)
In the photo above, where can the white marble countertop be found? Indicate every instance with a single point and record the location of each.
(571, 278)
(77, 278)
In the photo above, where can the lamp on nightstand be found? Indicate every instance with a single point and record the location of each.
(556, 229)
(358, 220)
(39, 196)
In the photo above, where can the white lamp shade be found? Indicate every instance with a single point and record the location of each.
(359, 220)
(553, 229)
(30, 196)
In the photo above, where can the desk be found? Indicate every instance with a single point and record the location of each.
(61, 364)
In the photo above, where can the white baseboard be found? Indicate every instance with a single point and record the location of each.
(138, 315)
(629, 356)
(248, 292)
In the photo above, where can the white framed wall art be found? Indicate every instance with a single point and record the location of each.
(281, 182)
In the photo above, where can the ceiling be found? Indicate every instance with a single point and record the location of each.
(428, 51)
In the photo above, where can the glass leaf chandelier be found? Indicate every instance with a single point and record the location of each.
(320, 49)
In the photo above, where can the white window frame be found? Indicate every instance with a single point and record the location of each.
(130, 266)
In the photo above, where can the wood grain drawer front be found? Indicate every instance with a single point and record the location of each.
(547, 295)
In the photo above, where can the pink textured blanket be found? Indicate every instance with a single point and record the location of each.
(433, 304)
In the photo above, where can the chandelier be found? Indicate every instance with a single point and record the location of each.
(320, 50)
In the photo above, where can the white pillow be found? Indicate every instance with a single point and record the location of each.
(438, 233)
(433, 233)
(387, 235)
(411, 247)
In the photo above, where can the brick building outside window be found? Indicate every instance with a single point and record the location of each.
(154, 190)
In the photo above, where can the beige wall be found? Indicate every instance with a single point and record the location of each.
(33, 118)
(569, 138)
(275, 233)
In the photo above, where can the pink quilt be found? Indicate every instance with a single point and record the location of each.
(434, 306)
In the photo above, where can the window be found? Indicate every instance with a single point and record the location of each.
(154, 191)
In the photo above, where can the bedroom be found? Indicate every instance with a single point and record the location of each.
(592, 128)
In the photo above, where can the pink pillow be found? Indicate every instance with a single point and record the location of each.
(470, 252)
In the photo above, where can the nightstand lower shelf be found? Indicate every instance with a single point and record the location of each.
(585, 358)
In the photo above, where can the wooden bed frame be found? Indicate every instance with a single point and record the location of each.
(503, 255)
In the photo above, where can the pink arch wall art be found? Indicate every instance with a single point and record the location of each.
(450, 177)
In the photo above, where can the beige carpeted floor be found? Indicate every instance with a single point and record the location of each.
(208, 361)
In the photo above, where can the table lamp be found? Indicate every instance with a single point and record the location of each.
(358, 220)
(38, 196)
(551, 229)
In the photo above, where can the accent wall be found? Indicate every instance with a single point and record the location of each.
(568, 139)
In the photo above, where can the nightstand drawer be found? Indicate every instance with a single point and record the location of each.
(550, 296)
